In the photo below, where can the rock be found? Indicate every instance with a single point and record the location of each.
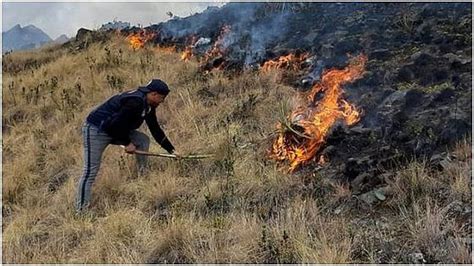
(445, 164)
(468, 211)
(369, 198)
(358, 183)
(456, 80)
(306, 83)
(426, 68)
(423, 59)
(327, 50)
(384, 177)
(375, 196)
(202, 41)
(351, 170)
(459, 209)
(437, 157)
(452, 58)
(439, 75)
(380, 195)
(371, 79)
(380, 54)
(460, 66)
(405, 74)
(445, 44)
(162, 211)
(440, 161)
(443, 97)
(455, 207)
(394, 98)
(454, 130)
(329, 150)
(82, 33)
(318, 67)
(413, 98)
(416, 257)
(424, 31)
(360, 130)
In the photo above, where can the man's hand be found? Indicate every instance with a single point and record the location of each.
(178, 156)
(130, 148)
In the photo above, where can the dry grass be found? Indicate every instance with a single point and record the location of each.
(459, 172)
(237, 207)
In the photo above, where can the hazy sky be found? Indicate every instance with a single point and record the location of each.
(67, 17)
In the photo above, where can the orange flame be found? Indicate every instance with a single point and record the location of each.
(290, 62)
(188, 51)
(312, 120)
(187, 54)
(218, 49)
(138, 40)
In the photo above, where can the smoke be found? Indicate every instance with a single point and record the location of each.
(252, 31)
(265, 33)
(209, 22)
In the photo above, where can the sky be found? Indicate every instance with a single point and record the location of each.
(56, 18)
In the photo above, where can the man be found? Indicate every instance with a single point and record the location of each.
(115, 122)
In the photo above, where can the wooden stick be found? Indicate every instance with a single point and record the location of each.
(185, 157)
(166, 155)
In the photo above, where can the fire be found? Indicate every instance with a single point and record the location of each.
(219, 48)
(290, 62)
(319, 110)
(188, 51)
(138, 40)
(187, 54)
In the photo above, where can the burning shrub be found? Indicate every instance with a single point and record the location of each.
(313, 117)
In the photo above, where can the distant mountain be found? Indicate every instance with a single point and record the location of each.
(29, 37)
(61, 39)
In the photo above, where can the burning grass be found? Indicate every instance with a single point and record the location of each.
(187, 54)
(139, 39)
(236, 207)
(291, 61)
(315, 114)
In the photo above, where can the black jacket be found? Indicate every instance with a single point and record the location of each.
(125, 112)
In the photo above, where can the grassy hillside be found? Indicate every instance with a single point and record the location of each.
(237, 207)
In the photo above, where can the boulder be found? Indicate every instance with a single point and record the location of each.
(454, 130)
(82, 34)
(414, 98)
(405, 74)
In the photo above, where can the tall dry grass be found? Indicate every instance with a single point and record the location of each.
(237, 207)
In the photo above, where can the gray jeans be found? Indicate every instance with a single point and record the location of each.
(95, 143)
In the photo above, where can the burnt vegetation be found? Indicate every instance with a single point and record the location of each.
(393, 187)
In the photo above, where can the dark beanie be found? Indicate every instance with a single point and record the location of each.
(156, 85)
